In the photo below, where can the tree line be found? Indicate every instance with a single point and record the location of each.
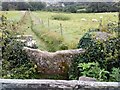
(71, 7)
(23, 6)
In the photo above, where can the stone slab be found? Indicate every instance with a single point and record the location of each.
(45, 84)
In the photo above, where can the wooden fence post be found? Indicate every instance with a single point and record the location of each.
(42, 22)
(48, 22)
(100, 24)
(61, 31)
(119, 24)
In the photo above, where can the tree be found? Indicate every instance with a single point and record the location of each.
(102, 7)
(37, 5)
(71, 9)
(23, 5)
(5, 6)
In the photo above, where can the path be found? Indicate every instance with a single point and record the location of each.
(26, 26)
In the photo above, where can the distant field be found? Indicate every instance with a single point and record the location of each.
(12, 15)
(73, 29)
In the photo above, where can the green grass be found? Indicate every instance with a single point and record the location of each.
(12, 15)
(25, 26)
(73, 29)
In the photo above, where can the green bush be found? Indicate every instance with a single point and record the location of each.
(102, 50)
(60, 17)
(15, 62)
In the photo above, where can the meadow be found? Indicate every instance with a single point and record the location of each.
(44, 25)
(75, 28)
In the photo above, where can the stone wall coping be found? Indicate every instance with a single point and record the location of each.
(70, 83)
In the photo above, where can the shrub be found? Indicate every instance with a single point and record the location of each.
(103, 51)
(100, 48)
(15, 62)
(60, 17)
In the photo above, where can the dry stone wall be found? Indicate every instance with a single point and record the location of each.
(19, 84)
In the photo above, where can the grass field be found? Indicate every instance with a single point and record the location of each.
(72, 29)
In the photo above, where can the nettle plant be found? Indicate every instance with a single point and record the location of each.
(115, 74)
(92, 70)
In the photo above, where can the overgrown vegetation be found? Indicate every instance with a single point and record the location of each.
(52, 39)
(15, 62)
(92, 69)
(101, 59)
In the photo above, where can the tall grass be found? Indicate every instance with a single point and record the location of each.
(52, 39)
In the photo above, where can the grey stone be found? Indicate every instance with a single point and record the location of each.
(84, 78)
(43, 84)
(52, 62)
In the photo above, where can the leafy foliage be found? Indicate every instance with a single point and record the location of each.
(72, 9)
(92, 70)
(36, 5)
(115, 74)
(103, 7)
(105, 52)
(23, 5)
(15, 63)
